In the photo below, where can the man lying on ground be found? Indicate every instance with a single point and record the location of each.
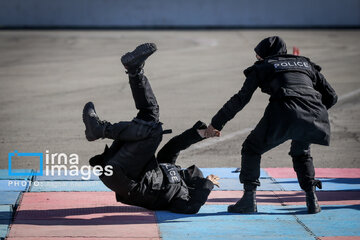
(139, 178)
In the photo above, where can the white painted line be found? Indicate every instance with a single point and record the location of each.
(213, 141)
(349, 95)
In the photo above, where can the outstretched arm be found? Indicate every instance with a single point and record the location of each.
(171, 150)
(236, 103)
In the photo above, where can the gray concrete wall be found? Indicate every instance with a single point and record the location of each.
(179, 13)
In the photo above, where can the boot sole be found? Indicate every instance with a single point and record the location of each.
(88, 134)
(243, 211)
(140, 54)
(314, 212)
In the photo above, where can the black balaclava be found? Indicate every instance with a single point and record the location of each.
(271, 46)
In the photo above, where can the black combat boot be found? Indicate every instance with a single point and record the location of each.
(247, 204)
(94, 128)
(311, 199)
(134, 61)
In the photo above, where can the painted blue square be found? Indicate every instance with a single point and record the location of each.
(6, 212)
(220, 172)
(14, 185)
(233, 184)
(24, 174)
(328, 184)
(228, 172)
(214, 222)
(69, 186)
(61, 176)
(9, 198)
(333, 220)
(19, 173)
(4, 228)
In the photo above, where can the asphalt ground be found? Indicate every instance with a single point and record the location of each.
(46, 77)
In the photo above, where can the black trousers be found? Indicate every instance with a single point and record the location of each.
(262, 139)
(132, 153)
(136, 141)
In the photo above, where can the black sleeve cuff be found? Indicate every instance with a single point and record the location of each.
(216, 124)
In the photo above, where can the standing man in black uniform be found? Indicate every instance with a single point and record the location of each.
(139, 178)
(299, 99)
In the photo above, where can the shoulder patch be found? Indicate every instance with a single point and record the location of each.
(291, 64)
(171, 172)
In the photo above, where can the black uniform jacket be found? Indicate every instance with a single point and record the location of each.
(299, 99)
(168, 187)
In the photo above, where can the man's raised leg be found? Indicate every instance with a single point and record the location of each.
(141, 136)
(148, 116)
(142, 92)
